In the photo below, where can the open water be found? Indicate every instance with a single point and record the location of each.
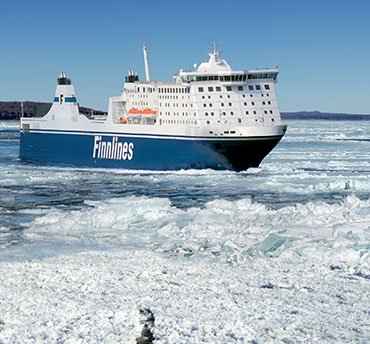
(308, 202)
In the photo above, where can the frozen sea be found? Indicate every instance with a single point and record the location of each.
(277, 254)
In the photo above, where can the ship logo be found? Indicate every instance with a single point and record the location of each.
(111, 148)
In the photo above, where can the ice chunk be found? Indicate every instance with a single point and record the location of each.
(274, 245)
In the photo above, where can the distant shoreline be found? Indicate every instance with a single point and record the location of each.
(317, 115)
(12, 111)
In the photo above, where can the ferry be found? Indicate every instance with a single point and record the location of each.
(208, 117)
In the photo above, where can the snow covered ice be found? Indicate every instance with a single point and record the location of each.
(278, 254)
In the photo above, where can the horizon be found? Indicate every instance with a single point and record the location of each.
(320, 47)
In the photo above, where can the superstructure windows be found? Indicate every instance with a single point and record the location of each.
(200, 89)
(267, 87)
(263, 76)
(210, 89)
(240, 88)
(258, 87)
(218, 88)
(228, 88)
(250, 87)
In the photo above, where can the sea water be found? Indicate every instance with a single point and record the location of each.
(278, 253)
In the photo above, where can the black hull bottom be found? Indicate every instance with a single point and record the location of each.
(241, 155)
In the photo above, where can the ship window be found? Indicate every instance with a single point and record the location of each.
(207, 122)
(239, 120)
(243, 95)
(222, 104)
(247, 112)
(210, 104)
(258, 87)
(269, 102)
(203, 97)
(264, 103)
(252, 103)
(245, 103)
(271, 112)
(230, 104)
(206, 113)
(200, 89)
(226, 132)
(204, 105)
(244, 77)
(261, 94)
(211, 132)
(240, 88)
(254, 112)
(227, 77)
(231, 113)
(212, 113)
(210, 89)
(265, 112)
(224, 113)
(267, 94)
(218, 88)
(272, 119)
(250, 87)
(233, 131)
(210, 78)
(228, 88)
(267, 87)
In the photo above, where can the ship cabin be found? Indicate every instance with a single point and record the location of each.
(211, 95)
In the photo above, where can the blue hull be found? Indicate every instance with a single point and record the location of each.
(110, 151)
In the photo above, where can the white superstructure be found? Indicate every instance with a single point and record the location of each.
(212, 100)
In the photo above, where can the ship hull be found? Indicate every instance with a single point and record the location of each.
(111, 150)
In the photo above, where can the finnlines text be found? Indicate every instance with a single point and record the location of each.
(112, 149)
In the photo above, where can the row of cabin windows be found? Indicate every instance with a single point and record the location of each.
(176, 113)
(246, 112)
(177, 121)
(173, 97)
(239, 88)
(164, 89)
(175, 105)
(231, 104)
(222, 78)
(228, 96)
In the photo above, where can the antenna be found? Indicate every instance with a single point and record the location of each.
(147, 77)
(22, 109)
(215, 50)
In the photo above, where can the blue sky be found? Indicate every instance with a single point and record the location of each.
(322, 47)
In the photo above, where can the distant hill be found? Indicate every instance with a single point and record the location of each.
(307, 115)
(13, 110)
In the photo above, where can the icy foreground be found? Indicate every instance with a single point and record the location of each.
(95, 297)
(279, 254)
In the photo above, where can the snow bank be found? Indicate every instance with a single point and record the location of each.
(96, 297)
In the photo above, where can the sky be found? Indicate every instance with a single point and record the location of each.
(322, 47)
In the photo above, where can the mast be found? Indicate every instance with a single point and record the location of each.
(147, 77)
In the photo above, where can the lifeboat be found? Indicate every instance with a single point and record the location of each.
(123, 120)
(135, 111)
